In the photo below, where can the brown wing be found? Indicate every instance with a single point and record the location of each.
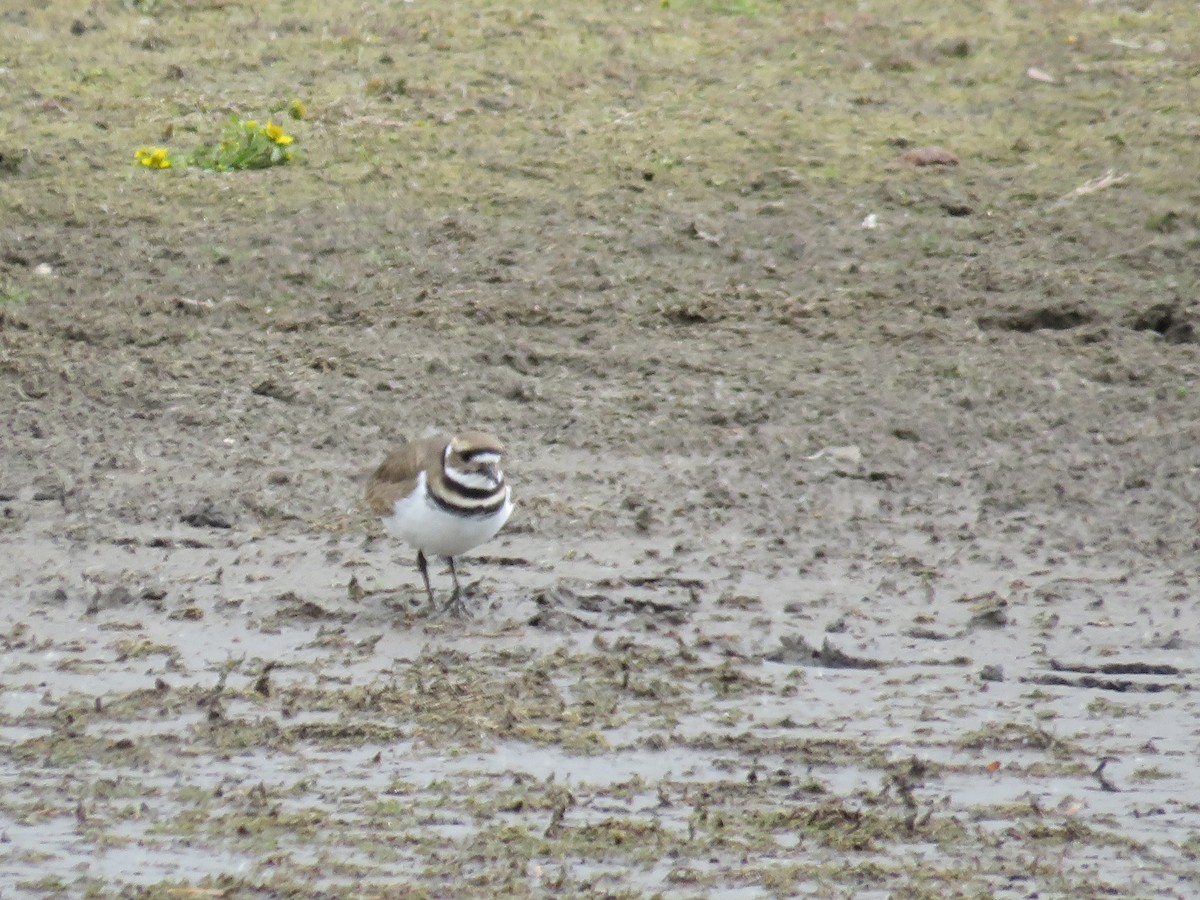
(397, 475)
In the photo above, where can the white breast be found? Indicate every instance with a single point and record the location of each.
(425, 526)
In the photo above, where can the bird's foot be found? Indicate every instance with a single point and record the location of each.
(456, 607)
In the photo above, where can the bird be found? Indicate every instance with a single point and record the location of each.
(442, 496)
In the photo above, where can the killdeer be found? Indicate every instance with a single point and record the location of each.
(443, 496)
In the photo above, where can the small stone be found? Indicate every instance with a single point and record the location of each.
(991, 673)
(269, 387)
(207, 514)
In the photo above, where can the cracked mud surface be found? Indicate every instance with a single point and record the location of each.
(848, 561)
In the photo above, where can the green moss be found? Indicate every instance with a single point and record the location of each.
(1016, 736)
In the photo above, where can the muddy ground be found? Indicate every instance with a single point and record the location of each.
(856, 550)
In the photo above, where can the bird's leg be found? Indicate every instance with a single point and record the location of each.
(455, 605)
(425, 577)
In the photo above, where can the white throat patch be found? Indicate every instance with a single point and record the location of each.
(475, 481)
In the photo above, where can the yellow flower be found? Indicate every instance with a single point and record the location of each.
(275, 133)
(296, 109)
(156, 158)
(250, 124)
